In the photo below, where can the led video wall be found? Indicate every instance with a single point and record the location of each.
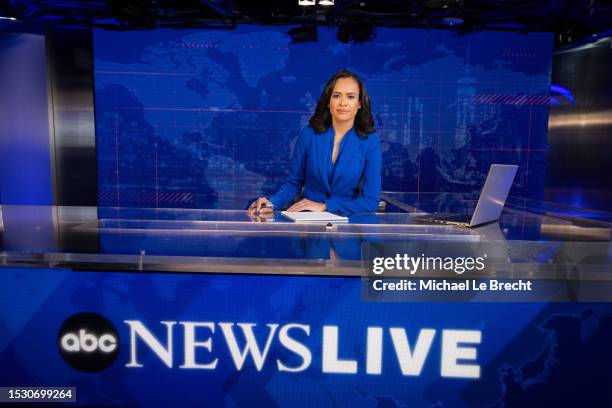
(209, 118)
(215, 340)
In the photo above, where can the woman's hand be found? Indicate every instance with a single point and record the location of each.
(259, 206)
(260, 217)
(307, 205)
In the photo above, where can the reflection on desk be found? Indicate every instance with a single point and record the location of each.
(209, 240)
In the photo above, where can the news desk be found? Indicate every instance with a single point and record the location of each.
(216, 308)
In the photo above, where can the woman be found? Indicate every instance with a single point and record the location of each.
(337, 159)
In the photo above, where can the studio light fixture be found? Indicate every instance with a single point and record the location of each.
(451, 21)
(314, 2)
(8, 18)
(355, 31)
(304, 33)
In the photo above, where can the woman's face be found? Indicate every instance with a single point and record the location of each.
(344, 102)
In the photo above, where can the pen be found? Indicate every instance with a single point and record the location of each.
(264, 206)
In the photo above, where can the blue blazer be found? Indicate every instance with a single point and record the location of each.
(358, 160)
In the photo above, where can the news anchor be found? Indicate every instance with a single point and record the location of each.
(337, 158)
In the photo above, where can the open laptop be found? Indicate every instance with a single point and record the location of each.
(490, 204)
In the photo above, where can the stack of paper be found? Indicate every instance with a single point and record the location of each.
(314, 216)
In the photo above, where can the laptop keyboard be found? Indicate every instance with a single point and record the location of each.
(445, 217)
(456, 218)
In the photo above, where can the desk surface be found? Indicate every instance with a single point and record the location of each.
(465, 204)
(231, 241)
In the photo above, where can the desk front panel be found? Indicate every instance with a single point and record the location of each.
(181, 339)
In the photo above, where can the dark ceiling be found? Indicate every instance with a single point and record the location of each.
(571, 20)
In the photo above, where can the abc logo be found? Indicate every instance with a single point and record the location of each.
(88, 342)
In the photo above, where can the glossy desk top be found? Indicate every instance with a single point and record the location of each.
(231, 241)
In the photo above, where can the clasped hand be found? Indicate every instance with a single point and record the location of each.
(263, 206)
(308, 205)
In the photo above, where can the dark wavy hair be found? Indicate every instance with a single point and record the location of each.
(321, 120)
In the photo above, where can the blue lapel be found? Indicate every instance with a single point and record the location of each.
(324, 147)
(345, 145)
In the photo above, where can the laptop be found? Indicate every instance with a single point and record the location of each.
(490, 204)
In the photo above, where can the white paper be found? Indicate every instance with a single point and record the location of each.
(314, 216)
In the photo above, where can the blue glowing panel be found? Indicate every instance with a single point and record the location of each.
(25, 164)
(209, 118)
(528, 354)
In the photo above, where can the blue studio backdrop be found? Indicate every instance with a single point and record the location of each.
(209, 118)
